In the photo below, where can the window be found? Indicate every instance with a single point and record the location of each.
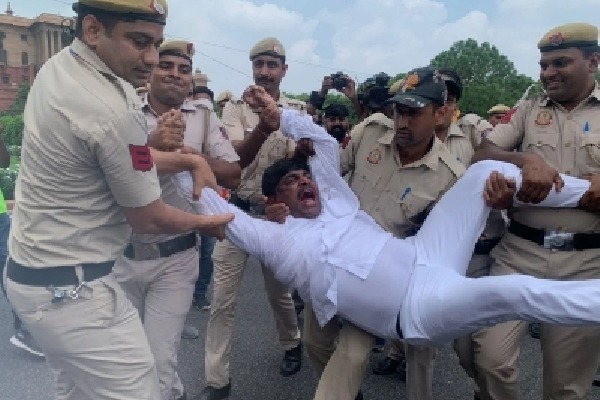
(3, 56)
(5, 79)
(24, 58)
(23, 38)
(56, 48)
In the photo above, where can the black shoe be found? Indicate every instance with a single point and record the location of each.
(596, 380)
(23, 340)
(292, 361)
(213, 393)
(359, 396)
(535, 330)
(387, 366)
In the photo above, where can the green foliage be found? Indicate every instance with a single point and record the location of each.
(18, 106)
(8, 177)
(488, 77)
(598, 76)
(12, 129)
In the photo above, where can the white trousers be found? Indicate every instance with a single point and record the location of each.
(442, 304)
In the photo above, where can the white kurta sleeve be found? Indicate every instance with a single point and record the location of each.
(257, 237)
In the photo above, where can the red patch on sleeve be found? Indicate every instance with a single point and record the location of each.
(506, 117)
(346, 141)
(141, 157)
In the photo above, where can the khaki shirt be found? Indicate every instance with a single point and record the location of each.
(203, 132)
(397, 196)
(84, 157)
(460, 144)
(239, 119)
(475, 128)
(568, 140)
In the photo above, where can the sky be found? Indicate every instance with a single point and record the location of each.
(358, 37)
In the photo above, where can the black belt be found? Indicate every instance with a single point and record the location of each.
(483, 247)
(581, 241)
(243, 205)
(55, 276)
(167, 248)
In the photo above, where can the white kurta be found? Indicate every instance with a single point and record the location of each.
(348, 265)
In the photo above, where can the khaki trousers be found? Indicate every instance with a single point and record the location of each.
(419, 368)
(162, 290)
(467, 347)
(94, 345)
(570, 355)
(229, 265)
(341, 367)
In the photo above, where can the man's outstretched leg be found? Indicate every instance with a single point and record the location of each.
(442, 305)
(449, 233)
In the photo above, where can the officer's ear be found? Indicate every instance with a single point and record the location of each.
(92, 30)
(439, 113)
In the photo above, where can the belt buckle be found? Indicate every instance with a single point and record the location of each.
(556, 240)
(145, 252)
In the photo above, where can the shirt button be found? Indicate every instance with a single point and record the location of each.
(539, 142)
(568, 144)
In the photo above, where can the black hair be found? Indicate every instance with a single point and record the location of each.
(454, 84)
(278, 170)
(271, 54)
(204, 89)
(588, 51)
(107, 19)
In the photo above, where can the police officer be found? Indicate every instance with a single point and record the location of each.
(459, 143)
(259, 143)
(158, 272)
(554, 132)
(496, 113)
(86, 172)
(397, 169)
(222, 99)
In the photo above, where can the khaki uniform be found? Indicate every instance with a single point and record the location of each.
(398, 198)
(570, 142)
(161, 288)
(84, 157)
(230, 261)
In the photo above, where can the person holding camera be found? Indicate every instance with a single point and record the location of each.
(337, 123)
(340, 82)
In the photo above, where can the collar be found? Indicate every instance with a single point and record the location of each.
(430, 160)
(84, 53)
(547, 101)
(455, 130)
(187, 106)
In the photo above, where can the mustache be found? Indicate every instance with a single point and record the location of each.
(264, 79)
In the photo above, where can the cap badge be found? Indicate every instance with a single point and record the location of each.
(157, 7)
(374, 156)
(410, 82)
(557, 39)
(276, 49)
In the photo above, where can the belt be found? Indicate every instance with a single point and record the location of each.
(55, 276)
(483, 247)
(153, 251)
(243, 205)
(555, 240)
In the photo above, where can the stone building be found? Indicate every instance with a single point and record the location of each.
(25, 45)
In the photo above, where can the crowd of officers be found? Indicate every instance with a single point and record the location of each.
(107, 305)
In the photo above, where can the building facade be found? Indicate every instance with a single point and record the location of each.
(25, 45)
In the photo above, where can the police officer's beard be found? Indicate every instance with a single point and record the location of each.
(338, 132)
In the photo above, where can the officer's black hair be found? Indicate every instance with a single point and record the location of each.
(107, 19)
(204, 89)
(588, 51)
(273, 175)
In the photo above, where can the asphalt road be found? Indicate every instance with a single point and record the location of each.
(255, 362)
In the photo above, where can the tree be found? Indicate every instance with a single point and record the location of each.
(11, 128)
(488, 77)
(18, 106)
(598, 76)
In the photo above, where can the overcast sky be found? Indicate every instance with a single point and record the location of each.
(359, 37)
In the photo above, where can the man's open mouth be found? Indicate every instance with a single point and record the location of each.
(307, 196)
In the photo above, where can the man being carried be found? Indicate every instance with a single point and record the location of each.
(415, 288)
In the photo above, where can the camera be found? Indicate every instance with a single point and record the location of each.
(375, 91)
(338, 81)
